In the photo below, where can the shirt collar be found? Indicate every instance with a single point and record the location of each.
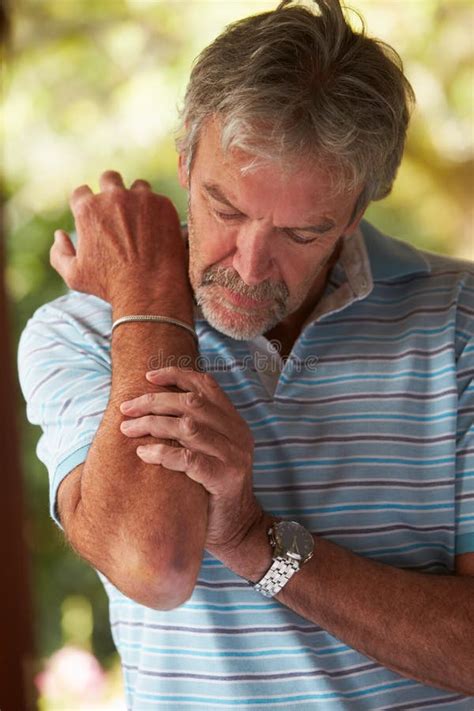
(391, 258)
(349, 280)
(367, 256)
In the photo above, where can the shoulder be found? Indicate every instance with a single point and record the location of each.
(73, 331)
(83, 312)
(395, 263)
(392, 258)
(75, 318)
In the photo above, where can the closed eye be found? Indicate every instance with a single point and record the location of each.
(288, 233)
(227, 215)
(298, 240)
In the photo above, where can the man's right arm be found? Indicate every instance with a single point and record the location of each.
(141, 525)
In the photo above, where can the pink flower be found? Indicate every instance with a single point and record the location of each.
(72, 672)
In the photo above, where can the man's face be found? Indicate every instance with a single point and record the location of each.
(258, 241)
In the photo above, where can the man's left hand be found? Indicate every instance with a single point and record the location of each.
(216, 447)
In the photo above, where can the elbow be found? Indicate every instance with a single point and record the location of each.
(162, 599)
(164, 592)
(155, 582)
(157, 587)
(144, 569)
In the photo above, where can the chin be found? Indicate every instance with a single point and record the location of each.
(236, 328)
(235, 324)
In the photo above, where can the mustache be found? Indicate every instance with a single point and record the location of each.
(227, 277)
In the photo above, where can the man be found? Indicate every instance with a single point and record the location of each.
(350, 441)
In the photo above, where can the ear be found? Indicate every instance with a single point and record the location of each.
(183, 174)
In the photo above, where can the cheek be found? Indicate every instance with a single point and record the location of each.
(300, 270)
(211, 242)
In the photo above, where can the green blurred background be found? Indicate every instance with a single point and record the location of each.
(94, 84)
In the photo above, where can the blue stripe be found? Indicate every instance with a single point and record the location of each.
(351, 418)
(279, 699)
(387, 339)
(355, 378)
(406, 549)
(366, 507)
(295, 464)
(202, 653)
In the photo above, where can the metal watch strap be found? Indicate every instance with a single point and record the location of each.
(277, 576)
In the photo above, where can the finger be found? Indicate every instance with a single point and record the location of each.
(185, 403)
(63, 243)
(163, 403)
(83, 192)
(111, 180)
(187, 379)
(62, 257)
(205, 470)
(185, 430)
(140, 185)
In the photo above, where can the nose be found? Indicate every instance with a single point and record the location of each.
(253, 258)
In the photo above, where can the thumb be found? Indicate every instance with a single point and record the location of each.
(64, 243)
(62, 256)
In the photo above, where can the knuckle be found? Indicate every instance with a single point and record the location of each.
(184, 399)
(194, 399)
(189, 425)
(149, 421)
(189, 457)
(110, 174)
(82, 207)
(83, 192)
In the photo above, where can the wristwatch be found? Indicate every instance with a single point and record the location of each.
(293, 546)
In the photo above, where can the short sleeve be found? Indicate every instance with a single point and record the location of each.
(65, 376)
(465, 426)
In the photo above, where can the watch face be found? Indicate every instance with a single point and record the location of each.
(293, 541)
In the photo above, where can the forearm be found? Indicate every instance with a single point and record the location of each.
(419, 625)
(141, 525)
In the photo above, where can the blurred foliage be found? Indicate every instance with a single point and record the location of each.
(95, 85)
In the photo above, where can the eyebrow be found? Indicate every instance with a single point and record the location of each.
(324, 226)
(214, 191)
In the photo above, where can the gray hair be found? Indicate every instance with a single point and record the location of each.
(295, 84)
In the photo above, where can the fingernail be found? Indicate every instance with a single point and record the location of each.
(126, 425)
(125, 406)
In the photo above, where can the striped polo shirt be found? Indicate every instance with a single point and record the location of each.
(364, 435)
